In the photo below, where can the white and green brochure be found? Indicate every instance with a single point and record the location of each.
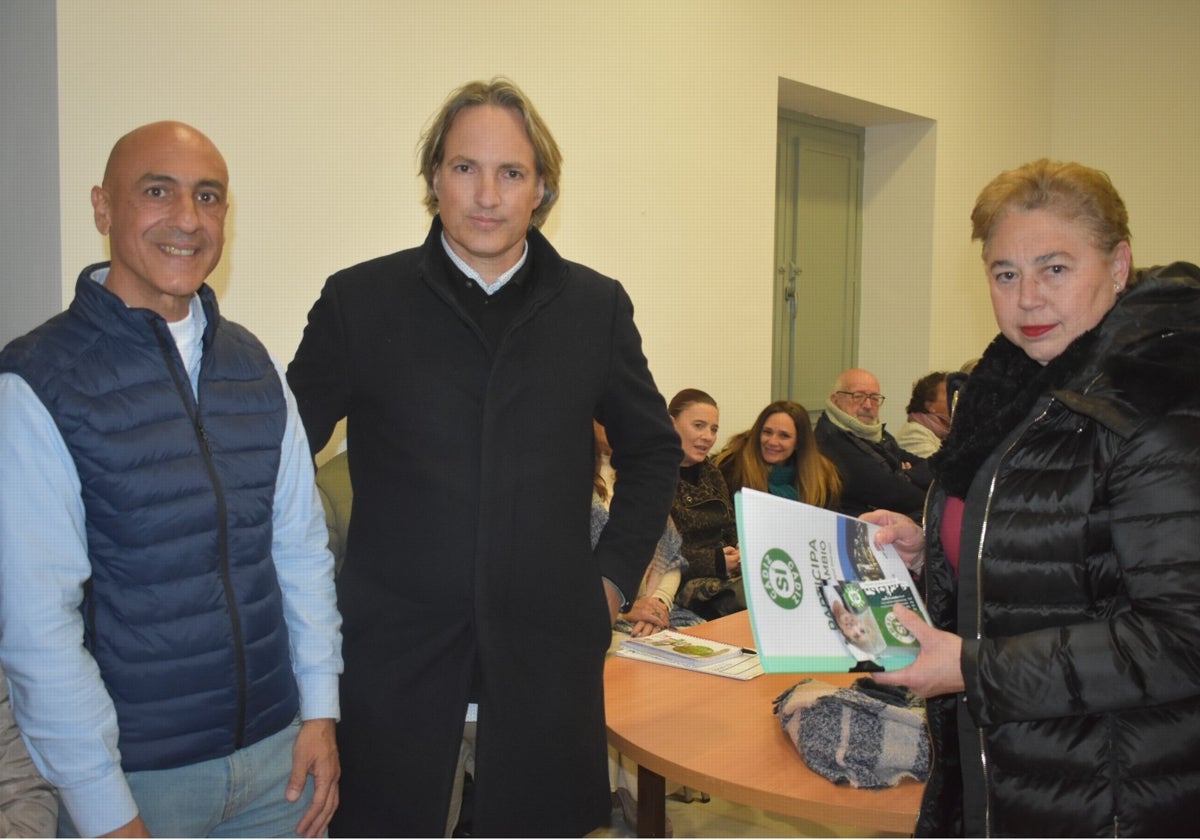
(820, 594)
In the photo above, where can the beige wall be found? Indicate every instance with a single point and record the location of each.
(1127, 96)
(666, 115)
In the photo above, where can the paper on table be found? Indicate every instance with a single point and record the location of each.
(681, 647)
(744, 665)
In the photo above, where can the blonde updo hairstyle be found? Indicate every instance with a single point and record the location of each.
(1069, 190)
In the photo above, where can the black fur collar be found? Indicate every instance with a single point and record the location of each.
(1142, 360)
(999, 393)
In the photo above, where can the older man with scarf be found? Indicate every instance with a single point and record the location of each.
(875, 471)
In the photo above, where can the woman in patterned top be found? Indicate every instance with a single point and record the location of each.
(703, 512)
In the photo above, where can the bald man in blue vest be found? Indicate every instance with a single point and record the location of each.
(167, 614)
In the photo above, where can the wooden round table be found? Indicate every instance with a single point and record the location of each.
(720, 736)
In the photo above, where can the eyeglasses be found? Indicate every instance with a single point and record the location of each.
(860, 397)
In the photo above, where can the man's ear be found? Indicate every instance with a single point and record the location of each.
(102, 210)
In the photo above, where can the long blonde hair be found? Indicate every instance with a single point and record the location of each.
(742, 464)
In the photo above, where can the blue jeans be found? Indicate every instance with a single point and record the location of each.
(241, 795)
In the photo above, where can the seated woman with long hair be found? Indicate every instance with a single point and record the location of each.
(779, 455)
(703, 512)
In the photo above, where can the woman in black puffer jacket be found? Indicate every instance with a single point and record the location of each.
(1061, 551)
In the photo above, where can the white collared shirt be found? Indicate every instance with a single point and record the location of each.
(488, 288)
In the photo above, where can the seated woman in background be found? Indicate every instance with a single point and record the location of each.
(703, 512)
(928, 416)
(779, 455)
(653, 609)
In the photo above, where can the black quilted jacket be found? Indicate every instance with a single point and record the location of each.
(1078, 596)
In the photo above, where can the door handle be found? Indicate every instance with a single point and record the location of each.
(790, 274)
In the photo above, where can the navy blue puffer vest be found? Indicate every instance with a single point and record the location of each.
(183, 612)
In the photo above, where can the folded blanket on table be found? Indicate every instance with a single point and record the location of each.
(868, 736)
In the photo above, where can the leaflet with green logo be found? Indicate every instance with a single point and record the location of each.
(820, 593)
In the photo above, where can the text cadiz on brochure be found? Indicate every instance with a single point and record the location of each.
(820, 594)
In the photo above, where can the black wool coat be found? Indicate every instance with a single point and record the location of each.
(470, 573)
(1078, 594)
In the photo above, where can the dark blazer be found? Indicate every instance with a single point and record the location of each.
(470, 572)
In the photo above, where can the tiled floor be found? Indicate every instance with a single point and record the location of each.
(720, 818)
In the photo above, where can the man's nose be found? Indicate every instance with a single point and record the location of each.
(184, 214)
(488, 194)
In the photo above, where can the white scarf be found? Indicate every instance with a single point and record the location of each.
(849, 423)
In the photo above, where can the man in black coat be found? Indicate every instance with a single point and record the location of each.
(875, 471)
(470, 370)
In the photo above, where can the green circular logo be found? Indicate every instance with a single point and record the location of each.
(781, 579)
(854, 598)
(899, 632)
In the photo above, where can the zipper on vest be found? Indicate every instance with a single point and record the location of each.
(235, 619)
(205, 443)
(192, 406)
